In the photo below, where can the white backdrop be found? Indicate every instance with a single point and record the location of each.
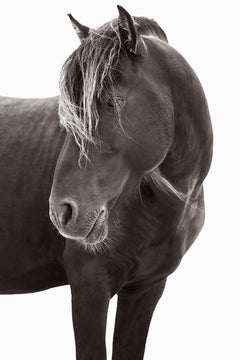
(198, 315)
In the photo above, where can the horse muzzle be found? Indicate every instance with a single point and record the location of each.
(91, 229)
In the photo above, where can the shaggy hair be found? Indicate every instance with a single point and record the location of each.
(89, 74)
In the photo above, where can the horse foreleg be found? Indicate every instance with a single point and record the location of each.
(89, 311)
(90, 300)
(134, 313)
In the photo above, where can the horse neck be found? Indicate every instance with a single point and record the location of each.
(189, 158)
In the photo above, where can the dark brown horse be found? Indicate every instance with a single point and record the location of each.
(125, 183)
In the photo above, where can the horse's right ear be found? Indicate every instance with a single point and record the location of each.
(81, 30)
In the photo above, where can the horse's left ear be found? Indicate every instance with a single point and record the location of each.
(127, 29)
(81, 30)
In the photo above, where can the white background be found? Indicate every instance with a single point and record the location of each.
(198, 315)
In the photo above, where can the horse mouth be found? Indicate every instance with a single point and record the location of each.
(99, 230)
(95, 235)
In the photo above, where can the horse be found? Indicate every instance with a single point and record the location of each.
(102, 187)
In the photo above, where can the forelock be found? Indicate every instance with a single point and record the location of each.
(85, 76)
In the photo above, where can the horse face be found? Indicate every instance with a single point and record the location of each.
(130, 146)
(144, 132)
(82, 196)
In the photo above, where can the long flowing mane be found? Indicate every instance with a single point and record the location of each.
(88, 74)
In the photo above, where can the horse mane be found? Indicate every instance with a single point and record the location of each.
(88, 75)
(91, 72)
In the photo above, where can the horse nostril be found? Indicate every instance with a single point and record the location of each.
(66, 214)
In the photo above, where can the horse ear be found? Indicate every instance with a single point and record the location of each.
(127, 29)
(81, 30)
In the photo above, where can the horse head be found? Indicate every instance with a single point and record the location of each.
(115, 103)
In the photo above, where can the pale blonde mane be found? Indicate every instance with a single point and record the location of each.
(87, 75)
(161, 182)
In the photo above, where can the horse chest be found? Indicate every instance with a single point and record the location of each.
(143, 251)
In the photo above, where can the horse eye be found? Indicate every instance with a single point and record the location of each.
(110, 103)
(113, 102)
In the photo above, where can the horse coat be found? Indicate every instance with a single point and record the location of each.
(124, 183)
